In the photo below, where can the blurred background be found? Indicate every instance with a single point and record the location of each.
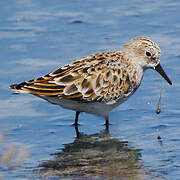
(37, 37)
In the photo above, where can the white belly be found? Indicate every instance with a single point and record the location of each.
(98, 108)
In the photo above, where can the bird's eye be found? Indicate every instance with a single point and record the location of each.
(148, 53)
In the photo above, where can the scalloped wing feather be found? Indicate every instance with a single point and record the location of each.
(100, 77)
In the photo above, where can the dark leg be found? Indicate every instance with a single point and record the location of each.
(76, 118)
(107, 123)
(77, 132)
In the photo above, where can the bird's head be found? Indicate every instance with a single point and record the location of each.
(145, 53)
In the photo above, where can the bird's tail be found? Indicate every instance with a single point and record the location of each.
(39, 86)
(19, 87)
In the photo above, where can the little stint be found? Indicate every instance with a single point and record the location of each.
(100, 82)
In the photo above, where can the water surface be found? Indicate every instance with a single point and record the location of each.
(37, 37)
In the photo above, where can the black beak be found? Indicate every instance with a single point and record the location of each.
(160, 70)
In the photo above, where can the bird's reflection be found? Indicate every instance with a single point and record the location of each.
(97, 155)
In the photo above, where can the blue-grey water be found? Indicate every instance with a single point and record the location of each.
(37, 37)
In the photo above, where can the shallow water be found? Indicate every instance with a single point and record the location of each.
(37, 37)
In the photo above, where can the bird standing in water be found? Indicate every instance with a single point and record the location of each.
(100, 82)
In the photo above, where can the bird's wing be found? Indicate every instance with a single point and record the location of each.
(93, 78)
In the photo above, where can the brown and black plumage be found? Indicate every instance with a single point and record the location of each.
(97, 83)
